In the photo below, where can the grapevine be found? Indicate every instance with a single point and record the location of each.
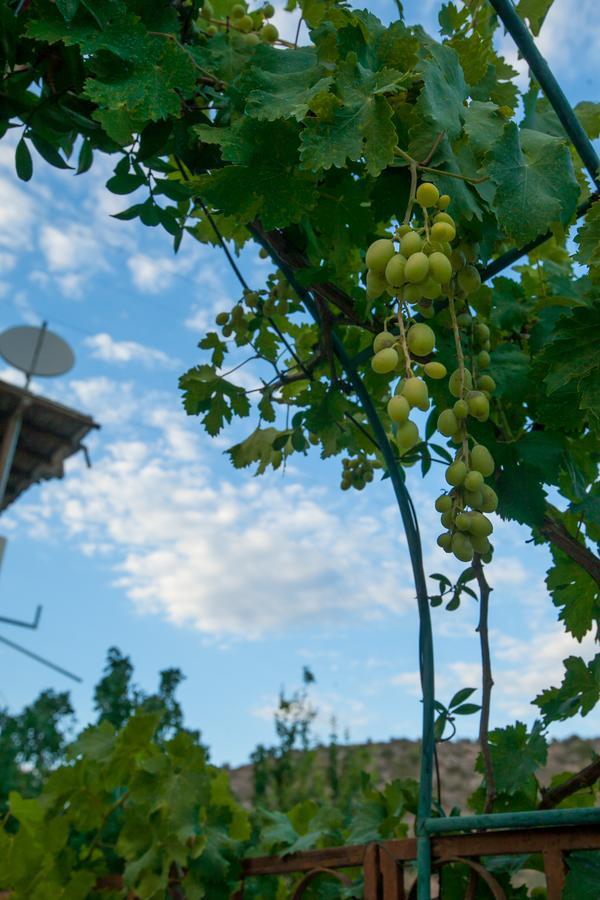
(422, 272)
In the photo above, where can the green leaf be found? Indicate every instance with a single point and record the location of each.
(575, 593)
(125, 184)
(583, 876)
(589, 115)
(516, 755)
(461, 696)
(573, 356)
(23, 161)
(443, 95)
(47, 151)
(512, 373)
(68, 8)
(466, 709)
(282, 85)
(204, 391)
(535, 183)
(544, 451)
(535, 11)
(588, 239)
(28, 812)
(258, 447)
(86, 158)
(521, 496)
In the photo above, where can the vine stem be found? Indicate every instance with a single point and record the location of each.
(423, 168)
(461, 368)
(403, 341)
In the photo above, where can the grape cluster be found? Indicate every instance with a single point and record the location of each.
(253, 26)
(417, 266)
(357, 472)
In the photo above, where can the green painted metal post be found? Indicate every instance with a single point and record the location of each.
(537, 818)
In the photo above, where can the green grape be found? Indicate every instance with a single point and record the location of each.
(417, 267)
(430, 289)
(427, 194)
(443, 231)
(415, 391)
(479, 525)
(207, 11)
(486, 383)
(482, 460)
(346, 485)
(413, 293)
(426, 310)
(237, 11)
(463, 521)
(479, 405)
(268, 10)
(444, 217)
(382, 340)
(222, 318)
(447, 423)
(447, 519)
(474, 499)
(314, 440)
(402, 230)
(394, 271)
(474, 481)
(480, 544)
(431, 246)
(483, 359)
(482, 332)
(462, 547)
(456, 473)
(211, 30)
(445, 541)
(440, 267)
(435, 370)
(379, 254)
(251, 39)
(490, 499)
(269, 32)
(420, 339)
(227, 331)
(461, 409)
(245, 24)
(444, 201)
(376, 285)
(385, 361)
(408, 435)
(469, 279)
(464, 320)
(454, 382)
(398, 409)
(443, 503)
(410, 243)
(458, 259)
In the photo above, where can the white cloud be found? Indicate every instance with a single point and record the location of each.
(153, 274)
(16, 215)
(106, 348)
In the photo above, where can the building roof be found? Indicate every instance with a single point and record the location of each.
(50, 433)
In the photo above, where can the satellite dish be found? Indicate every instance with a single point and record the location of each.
(36, 351)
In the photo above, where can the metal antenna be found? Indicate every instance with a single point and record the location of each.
(41, 659)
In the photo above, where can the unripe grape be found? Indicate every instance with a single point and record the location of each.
(251, 39)
(474, 481)
(408, 435)
(237, 11)
(207, 11)
(444, 201)
(222, 318)
(269, 32)
(445, 541)
(490, 499)
(430, 289)
(456, 473)
(482, 332)
(385, 361)
(447, 519)
(447, 423)
(480, 544)
(410, 243)
(486, 346)
(245, 24)
(454, 382)
(376, 285)
(444, 217)
(394, 271)
(458, 259)
(427, 194)
(417, 267)
(462, 547)
(430, 247)
(415, 391)
(463, 521)
(483, 359)
(479, 525)
(413, 293)
(435, 370)
(443, 503)
(443, 231)
(398, 409)
(268, 10)
(211, 30)
(440, 268)
(461, 409)
(420, 339)
(474, 499)
(469, 279)
(486, 383)
(479, 405)
(426, 310)
(346, 485)
(402, 230)
(382, 340)
(482, 460)
(465, 320)
(379, 254)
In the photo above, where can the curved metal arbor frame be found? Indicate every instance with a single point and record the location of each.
(426, 826)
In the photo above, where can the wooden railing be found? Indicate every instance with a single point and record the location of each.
(386, 864)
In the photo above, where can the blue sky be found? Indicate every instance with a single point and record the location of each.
(165, 551)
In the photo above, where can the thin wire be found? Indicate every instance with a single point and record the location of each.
(41, 659)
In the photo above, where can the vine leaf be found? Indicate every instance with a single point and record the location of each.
(516, 753)
(535, 183)
(257, 448)
(578, 693)
(282, 85)
(204, 391)
(535, 11)
(574, 592)
(573, 356)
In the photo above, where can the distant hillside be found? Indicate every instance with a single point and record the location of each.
(400, 759)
